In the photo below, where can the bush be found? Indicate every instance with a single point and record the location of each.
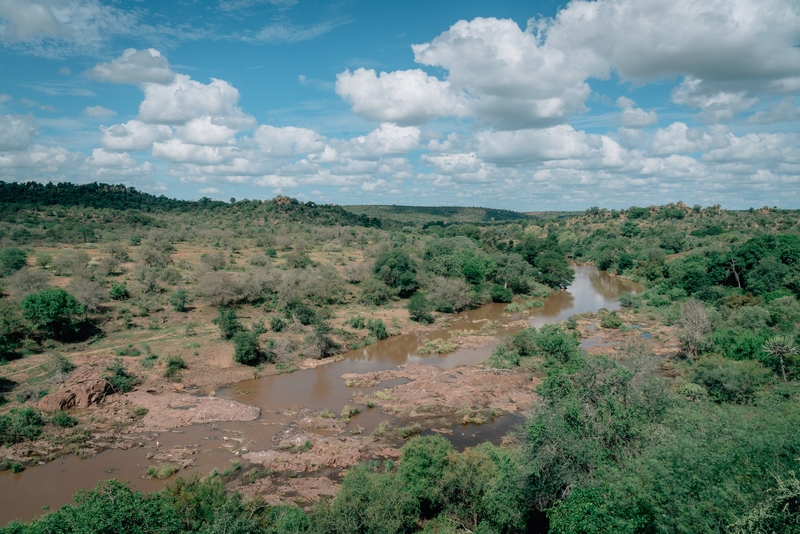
(611, 320)
(730, 381)
(419, 309)
(52, 310)
(375, 292)
(43, 259)
(357, 321)
(173, 369)
(178, 300)
(501, 294)
(228, 323)
(305, 314)
(247, 349)
(12, 259)
(119, 291)
(20, 424)
(397, 270)
(120, 380)
(63, 419)
(277, 324)
(377, 329)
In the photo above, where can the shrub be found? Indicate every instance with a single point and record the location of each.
(120, 380)
(501, 294)
(375, 292)
(730, 381)
(63, 419)
(305, 314)
(277, 323)
(377, 329)
(397, 270)
(611, 320)
(437, 346)
(160, 472)
(20, 424)
(357, 321)
(52, 310)
(119, 291)
(512, 308)
(228, 323)
(173, 369)
(12, 259)
(419, 309)
(43, 259)
(179, 300)
(247, 349)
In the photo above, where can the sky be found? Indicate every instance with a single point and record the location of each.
(523, 105)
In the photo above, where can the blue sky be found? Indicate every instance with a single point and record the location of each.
(519, 105)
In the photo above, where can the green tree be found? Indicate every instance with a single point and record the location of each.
(397, 270)
(52, 310)
(419, 309)
(179, 299)
(12, 259)
(228, 323)
(247, 348)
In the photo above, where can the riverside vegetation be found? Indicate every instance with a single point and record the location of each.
(144, 289)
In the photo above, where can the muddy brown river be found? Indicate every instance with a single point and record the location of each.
(280, 397)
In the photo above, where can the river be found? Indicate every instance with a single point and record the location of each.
(24, 494)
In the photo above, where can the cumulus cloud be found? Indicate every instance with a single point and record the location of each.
(288, 141)
(98, 111)
(512, 78)
(404, 97)
(186, 99)
(635, 117)
(783, 111)
(177, 151)
(133, 135)
(679, 138)
(135, 67)
(203, 131)
(16, 131)
(104, 163)
(389, 139)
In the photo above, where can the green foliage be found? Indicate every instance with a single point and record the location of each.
(52, 310)
(397, 270)
(419, 309)
(548, 262)
(118, 377)
(611, 320)
(277, 323)
(377, 328)
(501, 294)
(63, 419)
(730, 381)
(173, 368)
(779, 513)
(119, 291)
(228, 323)
(179, 299)
(20, 424)
(375, 292)
(422, 466)
(12, 259)
(357, 321)
(247, 348)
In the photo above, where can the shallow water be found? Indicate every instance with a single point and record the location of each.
(280, 397)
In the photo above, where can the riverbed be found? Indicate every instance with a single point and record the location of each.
(281, 397)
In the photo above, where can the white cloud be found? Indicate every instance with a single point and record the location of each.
(275, 181)
(135, 67)
(715, 105)
(57, 28)
(633, 117)
(204, 131)
(186, 99)
(783, 111)
(282, 32)
(679, 138)
(133, 135)
(177, 151)
(638, 118)
(16, 131)
(98, 111)
(389, 139)
(516, 79)
(210, 191)
(453, 163)
(288, 141)
(404, 97)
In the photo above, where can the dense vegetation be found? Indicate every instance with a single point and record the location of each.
(702, 441)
